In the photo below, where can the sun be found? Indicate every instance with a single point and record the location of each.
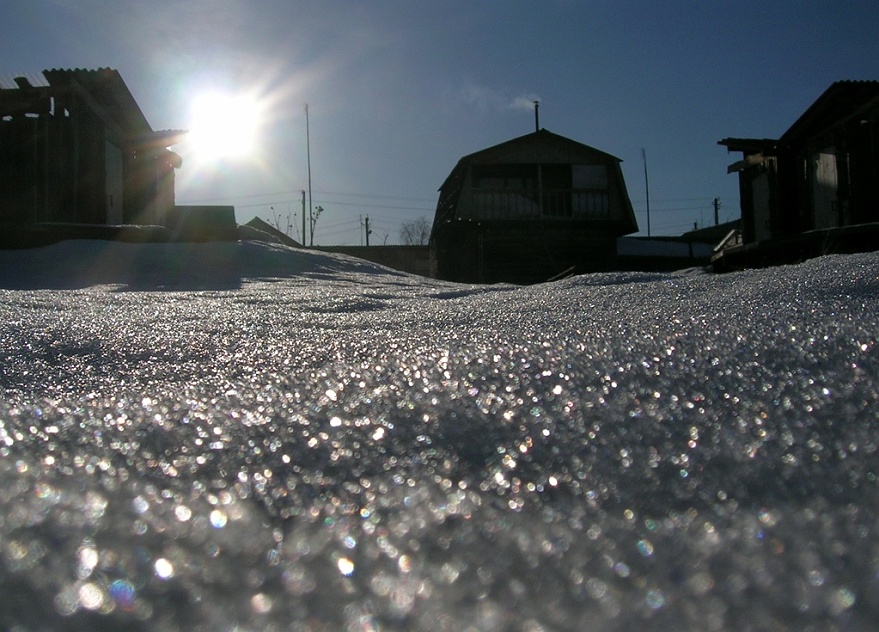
(224, 126)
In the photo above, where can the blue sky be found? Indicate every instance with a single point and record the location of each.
(399, 90)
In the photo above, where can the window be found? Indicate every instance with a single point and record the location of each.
(505, 191)
(590, 196)
(556, 190)
(494, 177)
(589, 176)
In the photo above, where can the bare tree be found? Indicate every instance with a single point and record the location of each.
(314, 216)
(416, 232)
(290, 222)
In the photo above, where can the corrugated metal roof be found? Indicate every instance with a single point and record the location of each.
(842, 101)
(36, 79)
(106, 86)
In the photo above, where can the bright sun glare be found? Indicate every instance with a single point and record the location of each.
(224, 127)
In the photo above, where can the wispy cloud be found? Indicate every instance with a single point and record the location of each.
(489, 99)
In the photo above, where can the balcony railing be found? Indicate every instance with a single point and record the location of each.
(553, 204)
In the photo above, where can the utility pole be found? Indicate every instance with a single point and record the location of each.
(716, 211)
(646, 188)
(308, 155)
(367, 230)
(303, 218)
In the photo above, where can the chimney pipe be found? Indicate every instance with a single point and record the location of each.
(537, 116)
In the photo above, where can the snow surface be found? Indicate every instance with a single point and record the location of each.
(249, 437)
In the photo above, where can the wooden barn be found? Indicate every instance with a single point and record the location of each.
(821, 174)
(529, 210)
(76, 148)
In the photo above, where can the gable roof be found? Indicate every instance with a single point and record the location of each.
(542, 136)
(540, 147)
(506, 149)
(263, 226)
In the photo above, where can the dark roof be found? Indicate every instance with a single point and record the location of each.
(541, 135)
(529, 145)
(712, 234)
(748, 145)
(261, 225)
(106, 87)
(841, 102)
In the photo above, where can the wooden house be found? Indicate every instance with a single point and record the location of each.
(821, 174)
(529, 210)
(79, 150)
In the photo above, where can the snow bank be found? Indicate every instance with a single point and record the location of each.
(313, 442)
(77, 264)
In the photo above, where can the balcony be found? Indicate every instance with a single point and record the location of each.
(561, 204)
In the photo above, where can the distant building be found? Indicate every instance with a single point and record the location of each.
(528, 210)
(79, 150)
(815, 182)
(277, 236)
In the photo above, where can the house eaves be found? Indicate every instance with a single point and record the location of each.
(843, 101)
(501, 149)
(107, 92)
(749, 145)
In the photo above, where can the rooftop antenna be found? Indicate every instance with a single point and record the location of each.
(537, 116)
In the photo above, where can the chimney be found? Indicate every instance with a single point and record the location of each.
(23, 83)
(537, 116)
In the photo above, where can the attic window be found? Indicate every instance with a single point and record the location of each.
(589, 177)
(509, 177)
(590, 197)
(503, 192)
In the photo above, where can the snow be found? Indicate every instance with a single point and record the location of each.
(241, 436)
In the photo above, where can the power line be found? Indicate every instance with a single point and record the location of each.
(371, 195)
(680, 209)
(295, 192)
(360, 205)
(705, 198)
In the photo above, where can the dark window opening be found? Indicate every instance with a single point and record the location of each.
(559, 191)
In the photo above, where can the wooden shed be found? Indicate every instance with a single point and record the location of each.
(822, 173)
(529, 210)
(76, 148)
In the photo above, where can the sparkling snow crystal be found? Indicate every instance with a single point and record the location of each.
(308, 442)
